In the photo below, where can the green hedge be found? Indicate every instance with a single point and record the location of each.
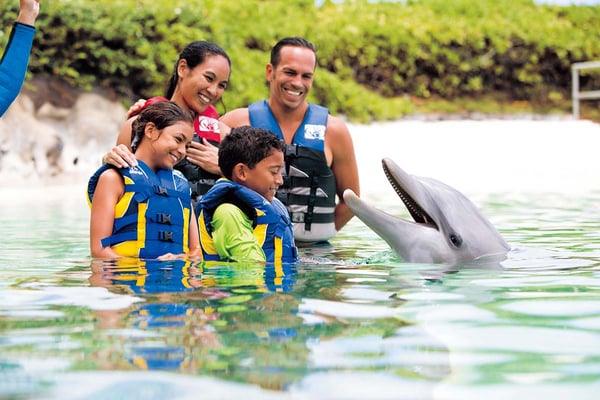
(375, 58)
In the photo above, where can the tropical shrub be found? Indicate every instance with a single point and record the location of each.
(375, 58)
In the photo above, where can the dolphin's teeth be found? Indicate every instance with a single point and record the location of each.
(415, 209)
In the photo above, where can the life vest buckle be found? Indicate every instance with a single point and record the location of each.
(160, 190)
(291, 150)
(297, 216)
(163, 218)
(165, 236)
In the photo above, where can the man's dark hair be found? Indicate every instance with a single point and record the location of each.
(290, 41)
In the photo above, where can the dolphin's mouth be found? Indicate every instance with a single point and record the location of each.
(415, 210)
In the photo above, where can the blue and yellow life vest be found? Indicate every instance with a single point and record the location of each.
(272, 226)
(153, 216)
(309, 185)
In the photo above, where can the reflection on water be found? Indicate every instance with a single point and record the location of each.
(350, 321)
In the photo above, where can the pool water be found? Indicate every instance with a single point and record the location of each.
(351, 321)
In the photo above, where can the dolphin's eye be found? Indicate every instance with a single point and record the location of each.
(456, 239)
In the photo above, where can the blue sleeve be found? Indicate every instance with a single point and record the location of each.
(13, 64)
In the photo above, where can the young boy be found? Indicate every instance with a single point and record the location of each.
(146, 211)
(240, 218)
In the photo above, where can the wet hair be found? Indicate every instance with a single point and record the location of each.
(290, 41)
(194, 54)
(162, 114)
(246, 145)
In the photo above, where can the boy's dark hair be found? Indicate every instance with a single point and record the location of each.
(246, 145)
(290, 41)
(161, 114)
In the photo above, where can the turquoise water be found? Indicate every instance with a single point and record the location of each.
(354, 322)
(350, 322)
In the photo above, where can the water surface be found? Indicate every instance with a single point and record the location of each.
(351, 321)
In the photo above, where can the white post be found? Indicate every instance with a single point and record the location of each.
(575, 93)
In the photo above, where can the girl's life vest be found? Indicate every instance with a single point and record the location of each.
(206, 126)
(153, 216)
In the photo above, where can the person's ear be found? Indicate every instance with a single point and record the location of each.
(269, 72)
(150, 131)
(240, 172)
(182, 67)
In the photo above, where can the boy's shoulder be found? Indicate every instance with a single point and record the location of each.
(231, 217)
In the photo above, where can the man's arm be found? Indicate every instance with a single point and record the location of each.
(343, 164)
(237, 117)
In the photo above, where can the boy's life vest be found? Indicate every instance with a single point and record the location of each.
(153, 216)
(272, 227)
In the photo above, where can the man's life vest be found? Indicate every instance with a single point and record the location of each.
(309, 187)
(153, 216)
(272, 226)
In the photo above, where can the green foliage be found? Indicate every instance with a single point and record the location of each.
(372, 56)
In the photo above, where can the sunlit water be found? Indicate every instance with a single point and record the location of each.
(353, 321)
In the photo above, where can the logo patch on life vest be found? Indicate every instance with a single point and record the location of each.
(207, 124)
(314, 132)
(136, 170)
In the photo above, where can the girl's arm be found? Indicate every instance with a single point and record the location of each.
(108, 192)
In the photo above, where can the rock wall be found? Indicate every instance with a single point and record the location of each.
(49, 144)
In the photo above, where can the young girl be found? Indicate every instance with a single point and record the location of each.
(199, 79)
(146, 211)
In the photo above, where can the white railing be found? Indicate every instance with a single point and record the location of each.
(576, 94)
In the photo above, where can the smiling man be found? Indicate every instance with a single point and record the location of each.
(319, 158)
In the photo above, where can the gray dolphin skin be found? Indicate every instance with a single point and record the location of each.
(447, 228)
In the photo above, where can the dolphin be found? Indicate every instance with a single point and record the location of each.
(447, 229)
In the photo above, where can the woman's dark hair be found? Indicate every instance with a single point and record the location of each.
(194, 54)
(162, 115)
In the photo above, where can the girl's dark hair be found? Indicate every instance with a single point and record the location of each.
(194, 54)
(162, 115)
(246, 145)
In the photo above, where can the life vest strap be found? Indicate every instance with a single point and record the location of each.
(299, 217)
